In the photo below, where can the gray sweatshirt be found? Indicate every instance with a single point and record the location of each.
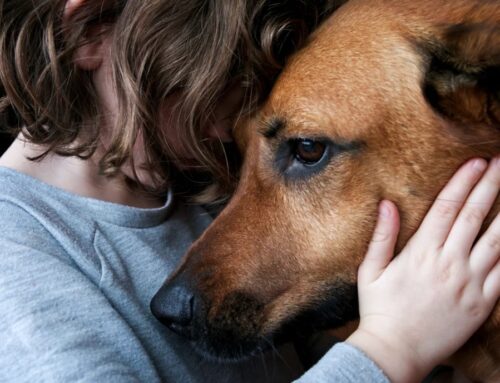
(76, 279)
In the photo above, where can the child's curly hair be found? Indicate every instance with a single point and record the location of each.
(194, 49)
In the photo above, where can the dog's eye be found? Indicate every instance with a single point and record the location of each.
(309, 152)
(301, 158)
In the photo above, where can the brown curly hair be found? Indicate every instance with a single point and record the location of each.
(195, 48)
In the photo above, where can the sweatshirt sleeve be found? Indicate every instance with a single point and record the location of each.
(344, 364)
(57, 326)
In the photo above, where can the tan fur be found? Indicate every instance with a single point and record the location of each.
(360, 78)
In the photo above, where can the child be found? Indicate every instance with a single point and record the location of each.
(111, 101)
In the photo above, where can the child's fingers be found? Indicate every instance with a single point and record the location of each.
(491, 287)
(486, 252)
(381, 249)
(440, 218)
(471, 217)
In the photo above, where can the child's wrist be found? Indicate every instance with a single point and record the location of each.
(397, 361)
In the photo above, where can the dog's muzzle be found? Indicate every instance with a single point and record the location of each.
(174, 306)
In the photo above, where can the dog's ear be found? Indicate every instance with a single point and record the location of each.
(463, 78)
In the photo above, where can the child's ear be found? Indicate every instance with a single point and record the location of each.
(71, 7)
(89, 55)
(463, 79)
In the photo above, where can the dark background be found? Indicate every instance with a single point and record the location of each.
(5, 141)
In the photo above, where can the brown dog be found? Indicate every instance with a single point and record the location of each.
(386, 101)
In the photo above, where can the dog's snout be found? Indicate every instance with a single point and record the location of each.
(173, 306)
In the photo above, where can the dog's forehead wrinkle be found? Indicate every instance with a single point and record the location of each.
(273, 126)
(309, 119)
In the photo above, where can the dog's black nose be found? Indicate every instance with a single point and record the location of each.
(173, 306)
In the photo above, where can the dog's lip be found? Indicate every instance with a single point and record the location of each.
(303, 324)
(261, 347)
(286, 333)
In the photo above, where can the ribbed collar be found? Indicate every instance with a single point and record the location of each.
(120, 215)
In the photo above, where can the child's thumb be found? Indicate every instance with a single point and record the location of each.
(381, 249)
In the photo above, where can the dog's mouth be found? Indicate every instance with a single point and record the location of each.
(237, 333)
(233, 332)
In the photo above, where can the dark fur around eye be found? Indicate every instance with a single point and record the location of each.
(288, 163)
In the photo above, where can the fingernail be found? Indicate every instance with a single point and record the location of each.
(479, 165)
(384, 210)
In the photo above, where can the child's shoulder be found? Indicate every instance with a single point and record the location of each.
(19, 200)
(33, 215)
(24, 199)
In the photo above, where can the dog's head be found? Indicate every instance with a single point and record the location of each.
(387, 100)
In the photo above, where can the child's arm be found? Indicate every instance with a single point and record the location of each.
(424, 305)
(56, 324)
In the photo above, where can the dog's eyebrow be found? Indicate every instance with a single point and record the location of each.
(273, 127)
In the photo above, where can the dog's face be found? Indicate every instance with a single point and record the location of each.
(387, 100)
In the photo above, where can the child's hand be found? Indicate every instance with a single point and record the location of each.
(424, 305)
